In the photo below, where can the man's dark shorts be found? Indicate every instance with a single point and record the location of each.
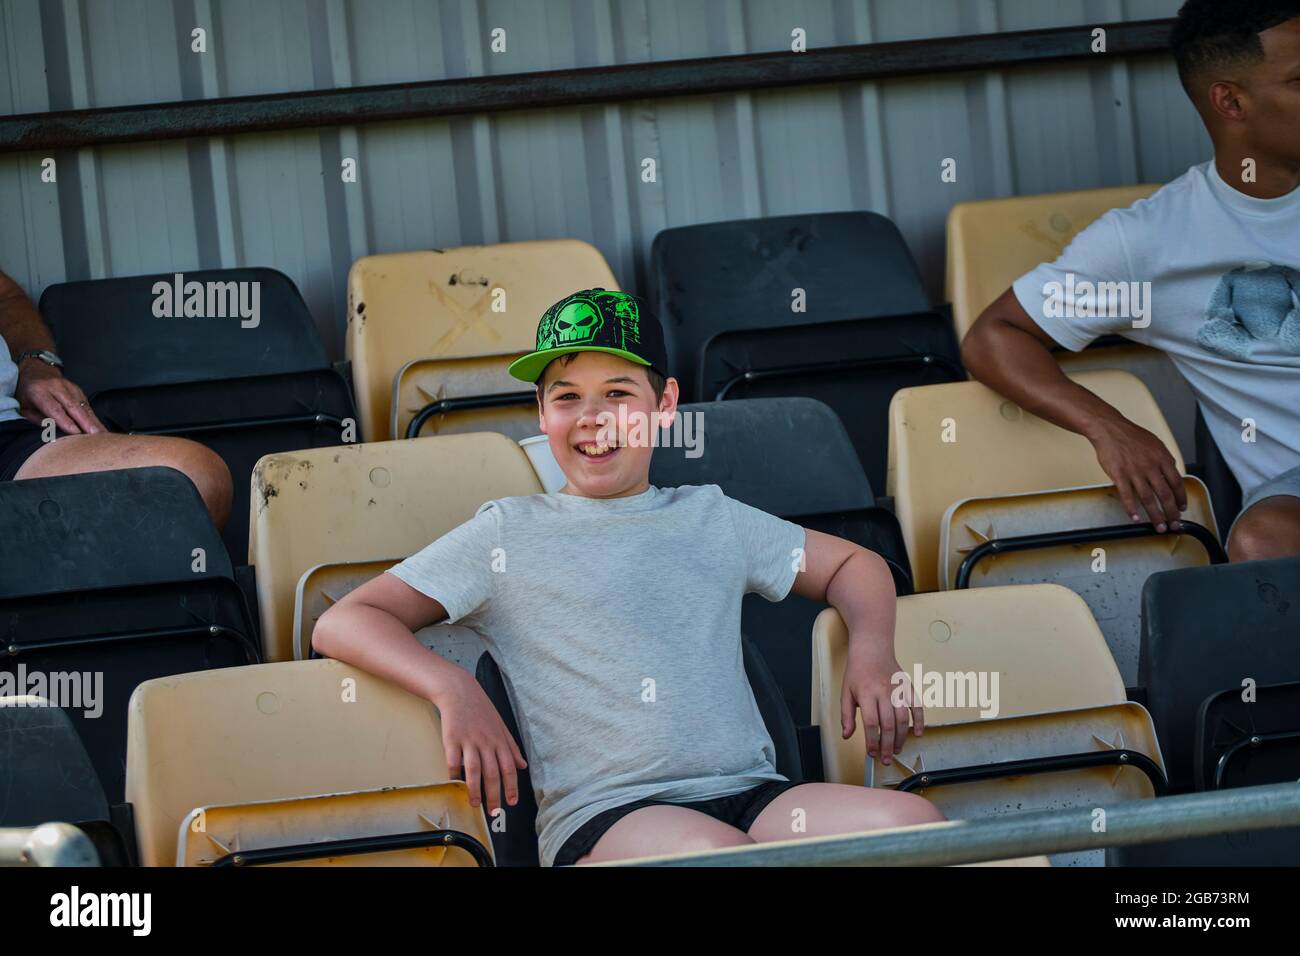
(19, 439)
(740, 810)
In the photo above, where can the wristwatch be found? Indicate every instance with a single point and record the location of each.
(45, 355)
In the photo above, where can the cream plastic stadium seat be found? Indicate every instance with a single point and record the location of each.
(277, 732)
(322, 586)
(441, 303)
(1110, 580)
(993, 242)
(456, 395)
(951, 442)
(257, 833)
(1058, 702)
(367, 502)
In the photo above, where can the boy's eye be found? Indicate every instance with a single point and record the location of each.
(568, 395)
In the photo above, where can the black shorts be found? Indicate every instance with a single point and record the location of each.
(740, 810)
(19, 438)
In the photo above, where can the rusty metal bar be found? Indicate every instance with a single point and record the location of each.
(560, 88)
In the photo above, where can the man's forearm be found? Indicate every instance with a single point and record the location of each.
(1015, 364)
(862, 590)
(21, 325)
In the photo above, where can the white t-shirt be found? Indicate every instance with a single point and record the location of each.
(8, 382)
(1223, 302)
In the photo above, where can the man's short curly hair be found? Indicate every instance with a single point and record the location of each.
(1214, 34)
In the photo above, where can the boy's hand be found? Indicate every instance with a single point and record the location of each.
(474, 736)
(875, 683)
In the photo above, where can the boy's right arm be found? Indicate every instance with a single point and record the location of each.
(373, 628)
(1011, 354)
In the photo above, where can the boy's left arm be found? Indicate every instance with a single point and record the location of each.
(858, 584)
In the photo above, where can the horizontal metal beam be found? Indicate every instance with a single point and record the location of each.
(50, 844)
(559, 88)
(1022, 834)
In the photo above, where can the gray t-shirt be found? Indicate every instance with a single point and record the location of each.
(616, 625)
(8, 382)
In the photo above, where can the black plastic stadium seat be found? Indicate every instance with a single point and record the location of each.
(1243, 742)
(855, 367)
(1225, 493)
(45, 774)
(47, 777)
(790, 457)
(243, 392)
(1205, 631)
(98, 575)
(742, 275)
(516, 844)
(109, 336)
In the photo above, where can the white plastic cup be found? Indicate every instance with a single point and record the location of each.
(538, 449)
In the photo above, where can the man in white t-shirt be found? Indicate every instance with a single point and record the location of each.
(1209, 267)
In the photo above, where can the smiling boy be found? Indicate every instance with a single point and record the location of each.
(615, 621)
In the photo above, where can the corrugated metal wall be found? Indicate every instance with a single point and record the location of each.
(278, 199)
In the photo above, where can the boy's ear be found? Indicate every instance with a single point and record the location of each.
(541, 418)
(668, 404)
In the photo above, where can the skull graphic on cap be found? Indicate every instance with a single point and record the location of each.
(578, 321)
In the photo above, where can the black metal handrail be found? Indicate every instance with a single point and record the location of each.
(1057, 763)
(1253, 742)
(467, 402)
(355, 846)
(251, 654)
(843, 365)
(1050, 539)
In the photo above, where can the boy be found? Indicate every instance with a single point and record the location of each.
(615, 620)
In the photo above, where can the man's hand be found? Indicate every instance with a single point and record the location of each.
(1143, 470)
(873, 683)
(475, 736)
(43, 393)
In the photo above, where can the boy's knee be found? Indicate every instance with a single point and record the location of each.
(913, 810)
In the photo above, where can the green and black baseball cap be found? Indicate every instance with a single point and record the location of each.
(596, 320)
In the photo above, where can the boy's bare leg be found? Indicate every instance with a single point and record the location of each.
(105, 451)
(654, 831)
(1270, 528)
(830, 808)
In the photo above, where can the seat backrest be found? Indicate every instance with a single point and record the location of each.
(747, 273)
(426, 382)
(45, 772)
(472, 300)
(135, 331)
(1211, 629)
(367, 502)
(516, 843)
(1040, 640)
(321, 587)
(993, 242)
(785, 456)
(964, 440)
(1107, 574)
(105, 529)
(269, 732)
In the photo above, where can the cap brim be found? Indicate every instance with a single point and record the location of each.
(529, 368)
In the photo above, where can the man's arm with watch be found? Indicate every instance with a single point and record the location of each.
(42, 390)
